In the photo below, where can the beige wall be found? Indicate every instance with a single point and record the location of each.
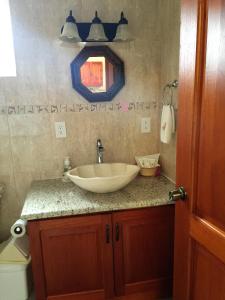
(42, 94)
(170, 42)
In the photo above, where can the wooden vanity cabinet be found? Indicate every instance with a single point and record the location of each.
(104, 256)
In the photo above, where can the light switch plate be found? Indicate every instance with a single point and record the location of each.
(145, 125)
(60, 130)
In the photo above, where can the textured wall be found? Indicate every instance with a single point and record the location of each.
(170, 45)
(29, 149)
(42, 94)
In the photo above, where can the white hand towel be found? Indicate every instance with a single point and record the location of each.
(166, 125)
(173, 119)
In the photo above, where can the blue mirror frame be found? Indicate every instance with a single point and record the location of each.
(119, 76)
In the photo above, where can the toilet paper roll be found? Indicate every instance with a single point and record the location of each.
(18, 229)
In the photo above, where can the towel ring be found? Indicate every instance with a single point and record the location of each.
(170, 87)
(167, 99)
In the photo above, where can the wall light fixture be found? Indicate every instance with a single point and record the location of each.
(95, 31)
(69, 31)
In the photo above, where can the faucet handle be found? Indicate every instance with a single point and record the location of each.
(99, 143)
(100, 150)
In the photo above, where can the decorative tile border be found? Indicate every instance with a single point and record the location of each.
(77, 108)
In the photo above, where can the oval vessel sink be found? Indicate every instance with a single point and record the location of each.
(103, 178)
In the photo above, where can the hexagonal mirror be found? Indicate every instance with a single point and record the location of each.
(97, 74)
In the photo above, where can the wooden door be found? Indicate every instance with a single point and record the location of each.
(72, 258)
(143, 252)
(200, 221)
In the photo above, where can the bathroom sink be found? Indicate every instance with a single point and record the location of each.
(103, 178)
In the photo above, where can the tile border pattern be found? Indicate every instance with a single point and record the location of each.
(78, 108)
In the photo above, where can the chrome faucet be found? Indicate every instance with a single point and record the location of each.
(100, 150)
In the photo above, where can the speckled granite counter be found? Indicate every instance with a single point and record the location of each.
(54, 198)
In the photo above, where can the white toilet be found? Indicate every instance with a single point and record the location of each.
(15, 272)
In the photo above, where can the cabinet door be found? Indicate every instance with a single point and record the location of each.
(77, 258)
(143, 251)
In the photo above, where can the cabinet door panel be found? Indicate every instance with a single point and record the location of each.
(144, 251)
(72, 259)
(77, 259)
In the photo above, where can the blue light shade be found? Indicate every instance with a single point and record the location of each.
(97, 32)
(69, 30)
(70, 18)
(123, 20)
(96, 19)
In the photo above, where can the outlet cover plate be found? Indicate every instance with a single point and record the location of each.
(145, 125)
(60, 130)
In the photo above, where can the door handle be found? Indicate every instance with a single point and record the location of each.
(117, 232)
(107, 233)
(179, 194)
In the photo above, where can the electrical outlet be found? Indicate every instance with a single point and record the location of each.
(145, 125)
(60, 130)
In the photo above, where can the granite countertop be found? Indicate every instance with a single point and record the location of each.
(55, 198)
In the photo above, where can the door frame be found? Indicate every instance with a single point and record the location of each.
(191, 74)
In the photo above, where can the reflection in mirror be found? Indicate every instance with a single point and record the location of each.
(97, 74)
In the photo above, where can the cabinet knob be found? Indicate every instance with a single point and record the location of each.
(179, 194)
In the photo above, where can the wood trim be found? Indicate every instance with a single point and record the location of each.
(192, 57)
(95, 295)
(199, 83)
(62, 222)
(208, 236)
(37, 263)
(192, 268)
(139, 296)
(100, 296)
(159, 287)
(196, 129)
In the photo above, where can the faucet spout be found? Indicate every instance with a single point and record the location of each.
(100, 150)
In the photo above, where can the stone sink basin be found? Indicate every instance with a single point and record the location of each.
(103, 178)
